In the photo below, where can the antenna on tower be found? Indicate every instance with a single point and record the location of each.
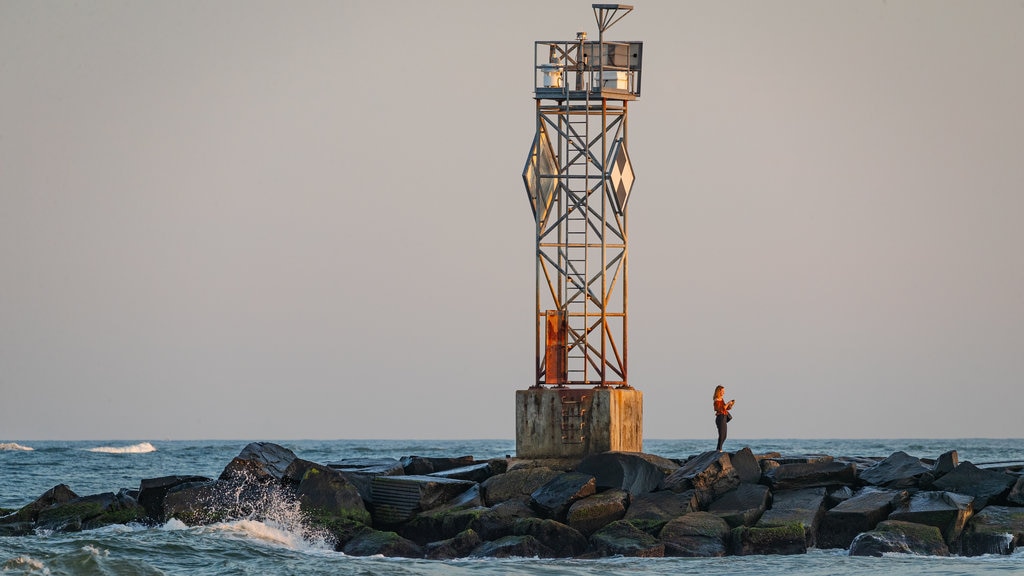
(608, 14)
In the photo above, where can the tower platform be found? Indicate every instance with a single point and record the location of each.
(574, 422)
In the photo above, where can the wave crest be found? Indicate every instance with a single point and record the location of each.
(140, 448)
(14, 446)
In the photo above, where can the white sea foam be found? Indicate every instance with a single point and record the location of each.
(25, 564)
(14, 446)
(141, 448)
(271, 532)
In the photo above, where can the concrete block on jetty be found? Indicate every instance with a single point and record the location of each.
(615, 503)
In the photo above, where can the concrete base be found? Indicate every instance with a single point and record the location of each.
(567, 423)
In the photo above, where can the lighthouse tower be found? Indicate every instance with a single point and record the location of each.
(578, 178)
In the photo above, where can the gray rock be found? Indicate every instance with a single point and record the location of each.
(474, 472)
(515, 484)
(29, 513)
(422, 465)
(900, 470)
(498, 521)
(553, 499)
(198, 503)
(376, 542)
(260, 462)
(513, 547)
(1016, 494)
(89, 512)
(326, 494)
(662, 506)
(984, 485)
(895, 536)
(945, 464)
(994, 530)
(458, 546)
(563, 541)
(947, 511)
(811, 475)
(362, 471)
(743, 506)
(804, 507)
(634, 472)
(710, 474)
(593, 512)
(746, 465)
(700, 534)
(153, 490)
(858, 514)
(624, 539)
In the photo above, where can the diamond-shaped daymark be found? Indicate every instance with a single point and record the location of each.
(541, 175)
(620, 175)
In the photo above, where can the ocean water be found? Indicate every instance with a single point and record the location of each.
(280, 545)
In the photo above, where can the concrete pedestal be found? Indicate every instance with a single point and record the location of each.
(567, 423)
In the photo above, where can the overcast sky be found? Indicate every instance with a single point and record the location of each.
(286, 220)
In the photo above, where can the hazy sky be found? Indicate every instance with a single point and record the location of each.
(284, 220)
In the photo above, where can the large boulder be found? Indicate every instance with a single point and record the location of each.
(516, 484)
(380, 543)
(474, 472)
(553, 499)
(994, 530)
(634, 472)
(858, 514)
(513, 547)
(458, 546)
(362, 471)
(421, 465)
(895, 536)
(900, 470)
(947, 511)
(199, 503)
(700, 534)
(593, 512)
(984, 485)
(743, 506)
(153, 490)
(88, 512)
(797, 475)
(562, 540)
(945, 464)
(29, 513)
(710, 474)
(804, 507)
(499, 520)
(399, 498)
(325, 494)
(746, 465)
(662, 506)
(622, 538)
(783, 539)
(1016, 495)
(260, 462)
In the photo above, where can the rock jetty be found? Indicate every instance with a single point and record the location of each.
(615, 503)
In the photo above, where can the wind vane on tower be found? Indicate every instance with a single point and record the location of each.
(578, 178)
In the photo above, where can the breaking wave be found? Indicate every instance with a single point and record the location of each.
(141, 448)
(14, 446)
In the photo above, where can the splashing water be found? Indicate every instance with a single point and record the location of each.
(141, 448)
(15, 447)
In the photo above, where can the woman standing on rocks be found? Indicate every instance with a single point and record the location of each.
(722, 415)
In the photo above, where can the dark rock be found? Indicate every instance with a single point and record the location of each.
(746, 465)
(711, 474)
(900, 470)
(326, 496)
(662, 506)
(198, 503)
(440, 525)
(89, 512)
(895, 536)
(994, 530)
(700, 534)
(552, 500)
(805, 507)
(945, 464)
(153, 490)
(399, 498)
(622, 538)
(802, 459)
(362, 471)
(837, 495)
(376, 542)
(593, 512)
(259, 462)
(421, 466)
(743, 506)
(946, 511)
(562, 540)
(498, 521)
(634, 472)
(858, 514)
(59, 494)
(458, 546)
(474, 472)
(513, 547)
(515, 484)
(811, 475)
(1016, 495)
(783, 539)
(984, 485)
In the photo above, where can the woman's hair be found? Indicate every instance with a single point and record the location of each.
(717, 390)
